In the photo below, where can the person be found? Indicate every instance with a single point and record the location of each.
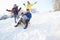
(29, 15)
(25, 19)
(14, 10)
(29, 5)
(22, 19)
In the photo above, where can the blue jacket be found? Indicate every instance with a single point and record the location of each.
(15, 10)
(29, 15)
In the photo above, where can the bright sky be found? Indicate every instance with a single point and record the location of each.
(42, 5)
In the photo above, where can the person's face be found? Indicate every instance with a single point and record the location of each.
(22, 14)
(28, 10)
(14, 5)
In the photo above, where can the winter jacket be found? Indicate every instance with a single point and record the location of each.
(15, 9)
(24, 18)
(29, 6)
(29, 15)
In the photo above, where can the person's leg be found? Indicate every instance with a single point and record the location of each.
(15, 18)
(26, 25)
(18, 22)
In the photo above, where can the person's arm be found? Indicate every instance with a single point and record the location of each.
(12, 11)
(19, 9)
(33, 4)
(8, 10)
(24, 4)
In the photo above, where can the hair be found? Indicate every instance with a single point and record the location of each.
(27, 9)
(14, 4)
(22, 13)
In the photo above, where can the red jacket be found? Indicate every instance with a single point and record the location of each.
(12, 11)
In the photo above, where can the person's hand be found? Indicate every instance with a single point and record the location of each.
(6, 9)
(20, 7)
(35, 2)
(24, 4)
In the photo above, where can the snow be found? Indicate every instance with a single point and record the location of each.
(44, 26)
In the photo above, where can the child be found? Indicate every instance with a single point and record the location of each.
(29, 15)
(22, 19)
(25, 18)
(14, 10)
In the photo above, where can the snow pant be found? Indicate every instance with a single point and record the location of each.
(25, 22)
(15, 17)
(19, 22)
(26, 25)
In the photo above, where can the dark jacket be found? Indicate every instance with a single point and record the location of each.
(29, 15)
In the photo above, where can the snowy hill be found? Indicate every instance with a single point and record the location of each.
(44, 26)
